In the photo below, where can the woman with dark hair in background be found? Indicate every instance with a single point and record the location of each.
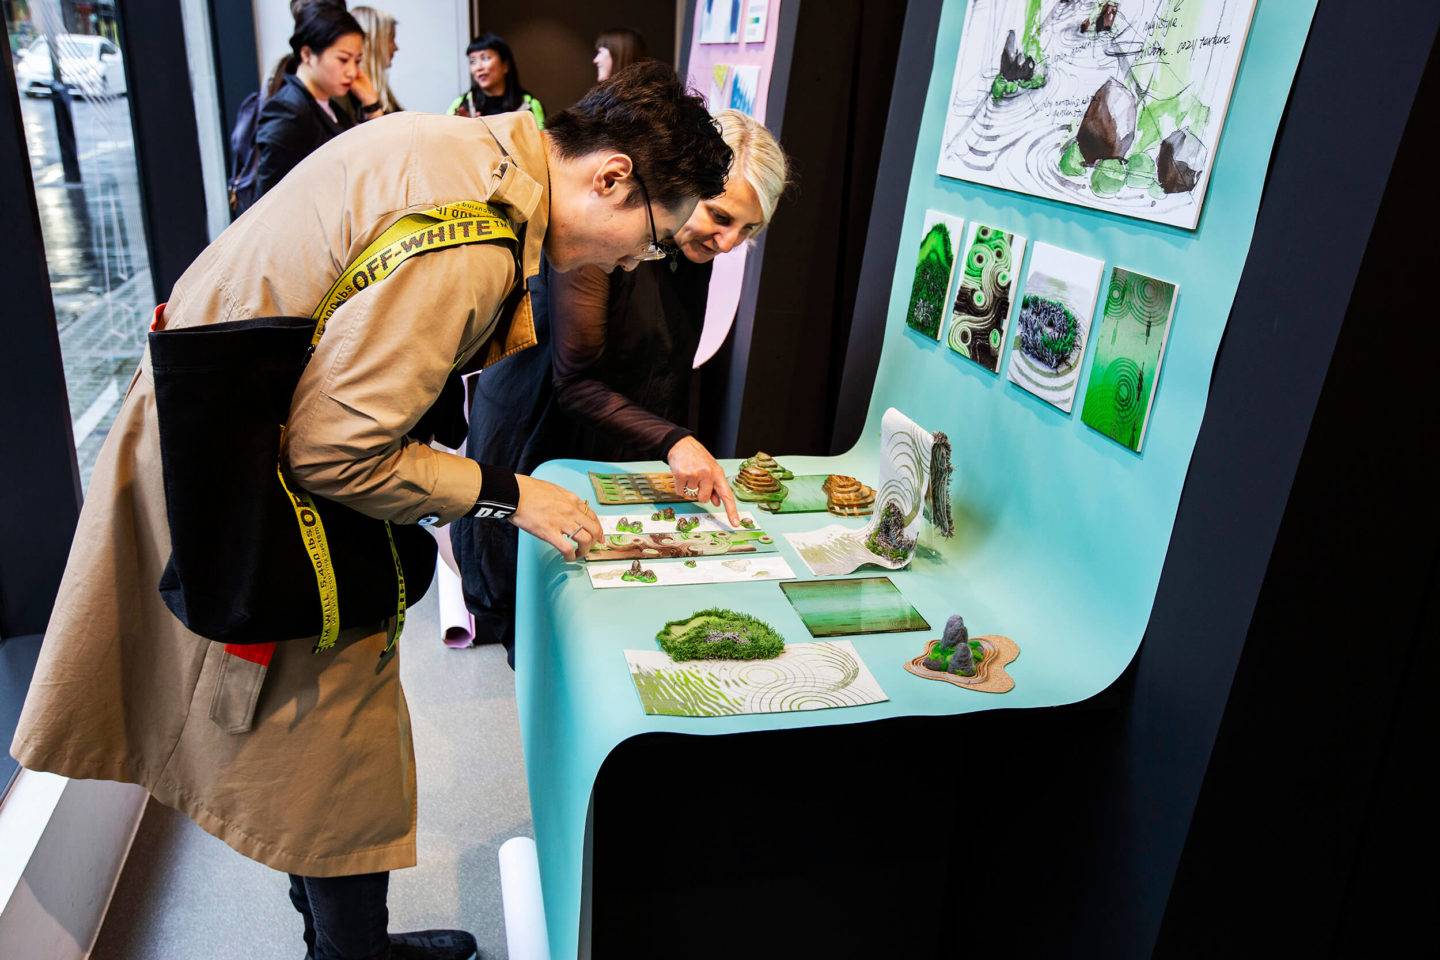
(616, 49)
(494, 83)
(324, 66)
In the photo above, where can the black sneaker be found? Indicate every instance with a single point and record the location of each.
(433, 945)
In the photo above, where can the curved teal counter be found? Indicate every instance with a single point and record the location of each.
(1060, 531)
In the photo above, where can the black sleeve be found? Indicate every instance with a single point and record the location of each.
(579, 308)
(282, 138)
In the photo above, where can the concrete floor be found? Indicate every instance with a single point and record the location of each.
(185, 894)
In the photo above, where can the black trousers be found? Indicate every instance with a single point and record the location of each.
(346, 918)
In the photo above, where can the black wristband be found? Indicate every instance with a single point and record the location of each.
(368, 109)
(499, 494)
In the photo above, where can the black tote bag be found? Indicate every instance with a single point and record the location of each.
(255, 560)
(238, 570)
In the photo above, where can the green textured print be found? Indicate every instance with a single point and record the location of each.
(932, 281)
(982, 302)
(1131, 346)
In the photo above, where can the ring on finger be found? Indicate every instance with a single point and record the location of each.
(692, 492)
(572, 533)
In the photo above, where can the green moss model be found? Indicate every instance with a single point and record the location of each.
(667, 514)
(719, 635)
(686, 524)
(626, 525)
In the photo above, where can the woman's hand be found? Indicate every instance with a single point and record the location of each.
(556, 516)
(365, 92)
(695, 469)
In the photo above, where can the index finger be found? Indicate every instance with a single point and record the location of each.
(727, 497)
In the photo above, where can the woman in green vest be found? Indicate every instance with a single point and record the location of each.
(494, 83)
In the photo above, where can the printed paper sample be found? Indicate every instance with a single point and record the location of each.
(756, 19)
(745, 89)
(1052, 328)
(1130, 347)
(669, 573)
(807, 676)
(934, 267)
(719, 21)
(719, 97)
(984, 296)
(1112, 104)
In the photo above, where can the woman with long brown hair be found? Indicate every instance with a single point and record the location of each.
(616, 49)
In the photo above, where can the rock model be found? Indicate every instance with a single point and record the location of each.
(626, 525)
(638, 575)
(686, 524)
(667, 514)
(955, 653)
(716, 634)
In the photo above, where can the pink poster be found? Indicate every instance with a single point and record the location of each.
(715, 68)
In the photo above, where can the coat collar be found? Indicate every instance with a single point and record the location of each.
(521, 181)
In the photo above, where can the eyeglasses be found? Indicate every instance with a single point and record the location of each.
(653, 250)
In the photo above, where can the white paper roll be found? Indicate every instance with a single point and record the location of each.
(457, 626)
(525, 933)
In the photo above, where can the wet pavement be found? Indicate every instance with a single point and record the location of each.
(95, 250)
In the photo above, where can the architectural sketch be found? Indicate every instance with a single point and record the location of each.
(1112, 105)
(934, 267)
(984, 295)
(1130, 346)
(1053, 326)
(807, 676)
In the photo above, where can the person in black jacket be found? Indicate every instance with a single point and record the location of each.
(324, 66)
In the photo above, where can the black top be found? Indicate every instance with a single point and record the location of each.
(609, 381)
(292, 126)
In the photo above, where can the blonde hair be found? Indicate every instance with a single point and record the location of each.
(379, 28)
(758, 159)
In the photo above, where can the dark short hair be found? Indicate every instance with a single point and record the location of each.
(645, 112)
(318, 26)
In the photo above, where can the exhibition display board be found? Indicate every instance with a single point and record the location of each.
(1062, 510)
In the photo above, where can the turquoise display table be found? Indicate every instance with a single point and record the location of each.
(1060, 532)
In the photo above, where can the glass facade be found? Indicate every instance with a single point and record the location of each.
(70, 71)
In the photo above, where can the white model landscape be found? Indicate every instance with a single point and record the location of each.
(905, 450)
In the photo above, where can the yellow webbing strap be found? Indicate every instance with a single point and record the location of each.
(453, 225)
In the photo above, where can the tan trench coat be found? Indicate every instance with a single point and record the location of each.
(323, 784)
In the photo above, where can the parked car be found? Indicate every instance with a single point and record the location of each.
(90, 66)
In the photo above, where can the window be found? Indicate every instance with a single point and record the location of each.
(71, 73)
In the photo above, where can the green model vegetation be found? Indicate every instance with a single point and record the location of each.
(716, 634)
